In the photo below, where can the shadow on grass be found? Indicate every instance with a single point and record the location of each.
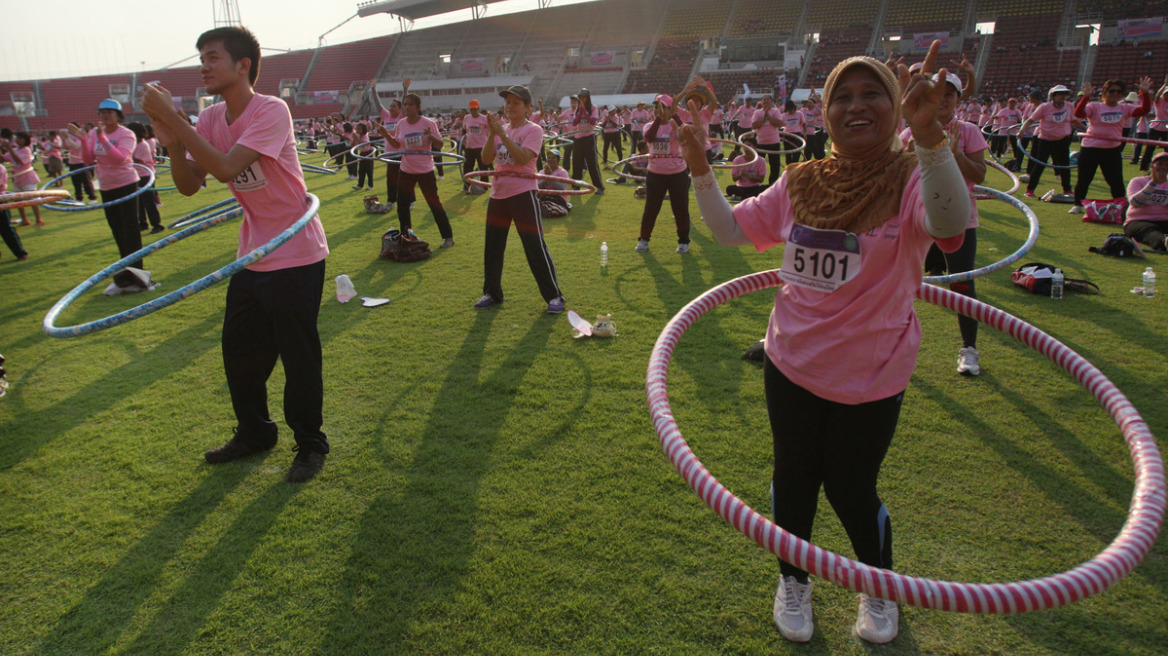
(411, 553)
(96, 622)
(113, 388)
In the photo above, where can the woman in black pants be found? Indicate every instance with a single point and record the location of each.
(667, 174)
(586, 118)
(1101, 148)
(111, 146)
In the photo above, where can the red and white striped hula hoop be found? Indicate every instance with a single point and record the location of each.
(18, 199)
(585, 188)
(1129, 548)
(1146, 142)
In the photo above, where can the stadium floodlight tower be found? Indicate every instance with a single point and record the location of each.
(226, 13)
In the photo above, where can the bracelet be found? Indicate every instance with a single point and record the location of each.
(936, 155)
(705, 181)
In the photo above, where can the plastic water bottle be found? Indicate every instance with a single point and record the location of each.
(604, 254)
(1149, 283)
(1056, 284)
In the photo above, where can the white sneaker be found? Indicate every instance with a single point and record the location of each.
(642, 245)
(682, 248)
(967, 361)
(793, 610)
(1075, 209)
(878, 620)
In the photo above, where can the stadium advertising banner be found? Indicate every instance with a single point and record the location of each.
(922, 40)
(472, 65)
(1133, 29)
(323, 97)
(603, 58)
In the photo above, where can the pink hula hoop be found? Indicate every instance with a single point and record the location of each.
(1129, 548)
(585, 188)
(1136, 140)
(18, 199)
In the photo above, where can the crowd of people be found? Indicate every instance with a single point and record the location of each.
(841, 342)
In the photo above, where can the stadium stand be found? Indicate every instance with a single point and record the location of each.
(340, 65)
(755, 18)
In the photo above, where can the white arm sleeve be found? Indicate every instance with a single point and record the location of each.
(716, 211)
(943, 192)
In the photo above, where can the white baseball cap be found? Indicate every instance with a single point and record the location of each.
(951, 79)
(1058, 88)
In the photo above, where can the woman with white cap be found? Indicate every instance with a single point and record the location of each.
(111, 147)
(1052, 142)
(843, 340)
(969, 148)
(1101, 147)
(512, 146)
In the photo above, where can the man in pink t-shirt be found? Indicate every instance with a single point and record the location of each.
(271, 311)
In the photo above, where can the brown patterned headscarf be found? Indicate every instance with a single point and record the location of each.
(853, 190)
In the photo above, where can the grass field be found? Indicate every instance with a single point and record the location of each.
(495, 486)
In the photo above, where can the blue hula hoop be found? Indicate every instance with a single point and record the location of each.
(1009, 259)
(81, 208)
(1034, 159)
(179, 294)
(312, 168)
(182, 221)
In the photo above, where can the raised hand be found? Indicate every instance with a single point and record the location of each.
(922, 99)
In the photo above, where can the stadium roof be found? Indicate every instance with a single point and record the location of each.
(415, 9)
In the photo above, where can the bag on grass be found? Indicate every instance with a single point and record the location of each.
(1104, 211)
(1036, 276)
(1118, 244)
(403, 248)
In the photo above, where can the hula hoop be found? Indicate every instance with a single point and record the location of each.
(313, 168)
(557, 141)
(1104, 570)
(1035, 160)
(389, 157)
(595, 130)
(585, 188)
(82, 208)
(368, 144)
(785, 136)
(19, 199)
(198, 215)
(179, 294)
(1013, 178)
(335, 166)
(1031, 217)
(730, 165)
(1155, 143)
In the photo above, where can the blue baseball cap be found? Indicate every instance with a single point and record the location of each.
(110, 103)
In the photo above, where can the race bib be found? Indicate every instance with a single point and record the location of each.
(250, 179)
(474, 129)
(1111, 117)
(822, 260)
(659, 147)
(502, 155)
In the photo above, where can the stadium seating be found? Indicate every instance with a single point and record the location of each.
(757, 18)
(340, 65)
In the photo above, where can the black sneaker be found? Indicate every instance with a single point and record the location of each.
(305, 465)
(233, 450)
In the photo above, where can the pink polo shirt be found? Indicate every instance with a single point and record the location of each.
(528, 136)
(271, 191)
(860, 342)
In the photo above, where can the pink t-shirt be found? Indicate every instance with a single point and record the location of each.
(529, 136)
(794, 122)
(1161, 121)
(559, 173)
(1106, 123)
(51, 148)
(389, 120)
(412, 136)
(1006, 120)
(612, 123)
(23, 173)
(74, 146)
(112, 170)
(272, 190)
(1054, 123)
(3, 179)
(972, 140)
(143, 155)
(1156, 208)
(767, 134)
(667, 148)
(756, 168)
(860, 342)
(745, 116)
(476, 130)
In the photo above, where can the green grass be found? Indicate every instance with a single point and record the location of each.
(495, 485)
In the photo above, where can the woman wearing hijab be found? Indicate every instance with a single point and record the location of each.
(842, 340)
